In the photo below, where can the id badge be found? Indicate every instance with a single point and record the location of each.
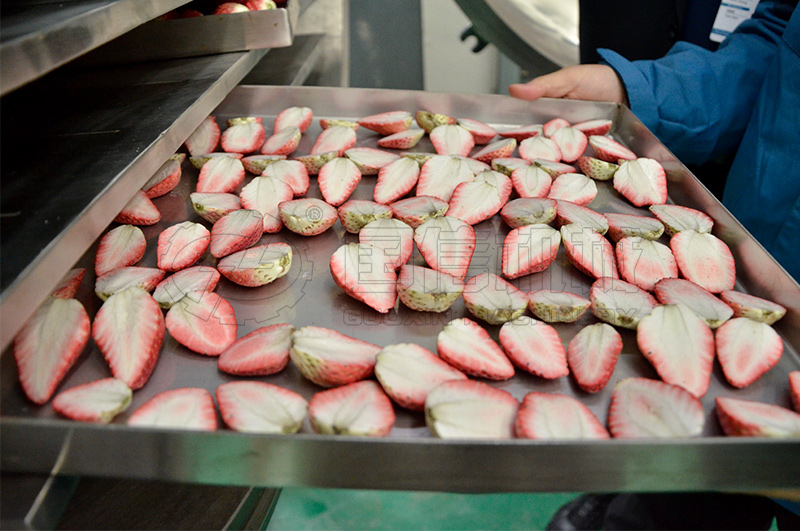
(731, 13)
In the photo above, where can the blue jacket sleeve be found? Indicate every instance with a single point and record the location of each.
(696, 101)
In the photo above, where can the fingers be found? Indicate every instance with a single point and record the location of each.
(559, 84)
(528, 91)
(581, 82)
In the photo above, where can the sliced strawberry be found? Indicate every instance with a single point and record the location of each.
(325, 123)
(314, 163)
(262, 352)
(258, 265)
(644, 262)
(235, 231)
(521, 133)
(528, 211)
(146, 278)
(557, 306)
(679, 291)
(746, 418)
(428, 290)
(568, 212)
(466, 409)
(337, 138)
(69, 285)
(490, 298)
(554, 168)
(408, 372)
(476, 201)
(308, 216)
(392, 236)
(396, 180)
(441, 175)
(243, 135)
(465, 345)
(387, 123)
(419, 158)
(282, 142)
(355, 214)
(260, 407)
(534, 347)
(367, 274)
(178, 285)
(98, 401)
(330, 358)
(753, 307)
(597, 169)
(642, 408)
(482, 133)
(205, 138)
(746, 350)
(292, 173)
(300, 117)
(554, 125)
(620, 303)
(263, 194)
(592, 355)
(589, 251)
(642, 182)
(600, 126)
(227, 8)
(446, 244)
(677, 218)
(402, 140)
(574, 187)
(452, 140)
(140, 210)
(187, 408)
(531, 181)
(705, 260)
(507, 165)
(627, 225)
(360, 408)
(539, 148)
(220, 174)
(370, 160)
(496, 150)
(198, 161)
(122, 246)
(129, 330)
(610, 150)
(415, 211)
(571, 142)
(337, 180)
(794, 389)
(49, 345)
(256, 164)
(203, 322)
(181, 245)
(545, 416)
(529, 249)
(214, 205)
(164, 180)
(430, 121)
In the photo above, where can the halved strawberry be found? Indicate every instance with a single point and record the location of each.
(235, 231)
(446, 244)
(677, 218)
(568, 212)
(490, 298)
(574, 187)
(263, 194)
(292, 173)
(367, 274)
(314, 163)
(499, 180)
(262, 352)
(534, 347)
(705, 260)
(539, 148)
(552, 126)
(181, 245)
(69, 285)
(476, 201)
(203, 322)
(531, 181)
(466, 409)
(427, 290)
(300, 117)
(465, 345)
(592, 355)
(355, 214)
(620, 303)
(337, 180)
(747, 349)
(589, 251)
(610, 150)
(221, 174)
(408, 372)
(415, 211)
(642, 182)
(256, 164)
(396, 180)
(402, 140)
(337, 138)
(441, 175)
(679, 291)
(557, 306)
(394, 237)
(129, 330)
(282, 142)
(260, 407)
(644, 262)
(571, 142)
(496, 150)
(528, 211)
(243, 135)
(545, 416)
(140, 210)
(753, 307)
(205, 138)
(122, 246)
(554, 168)
(600, 126)
(198, 161)
(226, 8)
(430, 121)
(597, 169)
(644, 408)
(125, 277)
(794, 389)
(178, 285)
(370, 160)
(507, 165)
(186, 408)
(747, 418)
(330, 358)
(452, 140)
(419, 158)
(387, 123)
(212, 206)
(164, 180)
(482, 133)
(98, 401)
(626, 225)
(529, 249)
(522, 132)
(360, 408)
(258, 265)
(48, 346)
(308, 216)
(325, 123)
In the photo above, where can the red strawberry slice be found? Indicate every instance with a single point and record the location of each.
(235, 231)
(554, 168)
(528, 211)
(314, 163)
(642, 408)
(129, 330)
(531, 181)
(387, 123)
(402, 140)
(181, 245)
(521, 133)
(620, 303)
(496, 150)
(498, 180)
(292, 173)
(263, 194)
(597, 169)
(307, 217)
(367, 274)
(507, 165)
(642, 182)
(49, 345)
(227, 8)
(679, 291)
(529, 249)
(441, 175)
(262, 352)
(446, 244)
(282, 142)
(392, 236)
(360, 408)
(337, 180)
(214, 205)
(221, 174)
(534, 347)
(546, 416)
(482, 133)
(677, 218)
(794, 389)
(571, 142)
(122, 246)
(69, 285)
(370, 160)
(746, 350)
(300, 117)
(557, 306)
(203, 322)
(644, 262)
(187, 408)
(589, 251)
(610, 150)
(178, 285)
(705, 260)
(753, 307)
(330, 122)
(164, 180)
(140, 210)
(260, 407)
(627, 225)
(600, 126)
(466, 346)
(430, 121)
(475, 201)
(408, 372)
(396, 180)
(746, 418)
(243, 135)
(466, 409)
(257, 266)
(568, 212)
(337, 138)
(539, 148)
(330, 358)
(205, 138)
(98, 401)
(592, 355)
(355, 214)
(123, 278)
(452, 140)
(574, 187)
(554, 125)
(428, 290)
(258, 163)
(199, 160)
(415, 211)
(490, 298)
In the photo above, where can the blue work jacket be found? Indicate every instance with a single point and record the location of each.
(743, 98)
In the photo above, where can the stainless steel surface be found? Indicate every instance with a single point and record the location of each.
(34, 439)
(255, 511)
(40, 36)
(288, 66)
(34, 501)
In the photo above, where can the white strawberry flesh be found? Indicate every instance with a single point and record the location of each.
(466, 409)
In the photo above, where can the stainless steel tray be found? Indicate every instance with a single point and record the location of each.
(35, 439)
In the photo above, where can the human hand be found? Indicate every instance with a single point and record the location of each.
(580, 82)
